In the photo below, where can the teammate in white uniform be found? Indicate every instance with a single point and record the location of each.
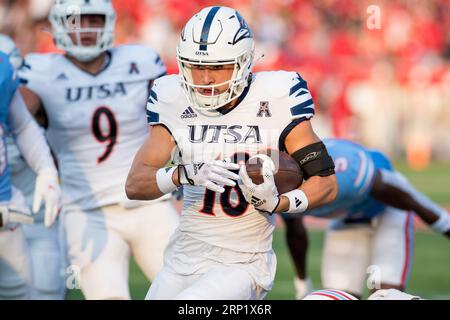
(213, 109)
(94, 97)
(15, 263)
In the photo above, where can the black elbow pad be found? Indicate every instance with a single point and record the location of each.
(314, 160)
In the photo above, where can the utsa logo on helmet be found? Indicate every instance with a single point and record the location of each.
(215, 36)
(243, 32)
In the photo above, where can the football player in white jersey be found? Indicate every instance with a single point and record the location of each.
(43, 243)
(15, 262)
(201, 118)
(94, 97)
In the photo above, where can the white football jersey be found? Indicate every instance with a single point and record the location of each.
(96, 123)
(257, 122)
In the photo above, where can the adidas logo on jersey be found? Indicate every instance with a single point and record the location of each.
(188, 113)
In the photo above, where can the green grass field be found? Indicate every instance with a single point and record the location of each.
(430, 274)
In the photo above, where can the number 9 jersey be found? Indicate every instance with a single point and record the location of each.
(96, 123)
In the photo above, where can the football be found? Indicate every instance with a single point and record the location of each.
(288, 175)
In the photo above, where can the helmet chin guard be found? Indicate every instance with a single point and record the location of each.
(65, 18)
(215, 36)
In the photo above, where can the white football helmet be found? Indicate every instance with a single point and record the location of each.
(8, 47)
(65, 18)
(216, 36)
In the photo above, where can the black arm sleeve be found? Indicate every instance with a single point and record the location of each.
(314, 160)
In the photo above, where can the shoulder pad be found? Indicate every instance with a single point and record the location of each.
(290, 89)
(167, 89)
(39, 61)
(37, 68)
(278, 83)
(145, 57)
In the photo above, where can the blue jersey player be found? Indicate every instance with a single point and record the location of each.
(15, 273)
(44, 244)
(372, 223)
(8, 86)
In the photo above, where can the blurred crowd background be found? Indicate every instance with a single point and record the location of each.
(387, 86)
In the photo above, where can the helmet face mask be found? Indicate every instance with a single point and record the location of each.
(217, 99)
(218, 48)
(68, 32)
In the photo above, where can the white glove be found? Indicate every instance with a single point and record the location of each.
(264, 196)
(47, 189)
(392, 294)
(212, 175)
(303, 287)
(11, 215)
